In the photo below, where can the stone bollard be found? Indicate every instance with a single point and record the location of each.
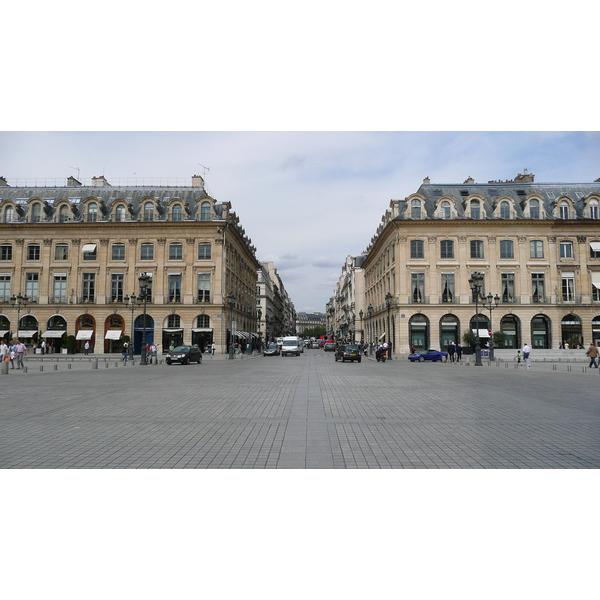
(4, 367)
(24, 369)
(554, 367)
(95, 364)
(41, 367)
(69, 365)
(56, 367)
(106, 365)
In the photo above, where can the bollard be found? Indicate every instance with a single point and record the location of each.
(69, 365)
(584, 369)
(568, 367)
(106, 365)
(56, 367)
(41, 367)
(554, 367)
(116, 364)
(24, 369)
(4, 367)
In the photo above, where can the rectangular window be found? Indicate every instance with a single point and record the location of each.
(568, 288)
(564, 211)
(538, 287)
(203, 287)
(147, 252)
(174, 288)
(88, 287)
(32, 286)
(33, 252)
(593, 212)
(446, 249)
(204, 251)
(475, 210)
(89, 252)
(4, 287)
(60, 288)
(417, 287)
(6, 252)
(61, 252)
(536, 249)
(116, 287)
(476, 249)
(566, 249)
(508, 287)
(175, 251)
(417, 249)
(507, 249)
(447, 287)
(118, 252)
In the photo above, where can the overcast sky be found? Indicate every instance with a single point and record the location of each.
(306, 199)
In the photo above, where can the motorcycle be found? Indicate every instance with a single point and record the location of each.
(380, 355)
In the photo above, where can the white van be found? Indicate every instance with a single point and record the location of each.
(291, 345)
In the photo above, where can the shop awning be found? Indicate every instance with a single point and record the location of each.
(596, 280)
(88, 248)
(84, 334)
(202, 330)
(595, 246)
(3, 333)
(53, 333)
(382, 335)
(26, 333)
(242, 334)
(482, 333)
(113, 334)
(173, 330)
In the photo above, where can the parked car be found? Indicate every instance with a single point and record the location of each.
(315, 345)
(348, 352)
(184, 355)
(433, 355)
(329, 346)
(271, 350)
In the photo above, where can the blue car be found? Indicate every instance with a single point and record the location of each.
(433, 355)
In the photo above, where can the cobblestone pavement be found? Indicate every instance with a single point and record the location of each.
(306, 412)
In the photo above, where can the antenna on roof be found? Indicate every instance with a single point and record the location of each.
(205, 169)
(525, 171)
(77, 169)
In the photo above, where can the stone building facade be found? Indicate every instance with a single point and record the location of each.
(536, 244)
(76, 252)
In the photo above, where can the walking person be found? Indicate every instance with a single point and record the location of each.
(20, 352)
(213, 347)
(125, 351)
(451, 351)
(153, 350)
(592, 353)
(519, 356)
(526, 353)
(3, 351)
(458, 352)
(11, 354)
(87, 347)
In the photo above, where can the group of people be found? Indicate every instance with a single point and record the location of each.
(454, 352)
(523, 355)
(17, 350)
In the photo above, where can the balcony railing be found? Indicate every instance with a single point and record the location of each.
(58, 300)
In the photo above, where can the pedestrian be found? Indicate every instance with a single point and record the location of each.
(592, 353)
(3, 351)
(519, 356)
(43, 347)
(526, 353)
(48, 347)
(11, 354)
(213, 347)
(153, 350)
(87, 347)
(451, 351)
(20, 352)
(458, 352)
(125, 351)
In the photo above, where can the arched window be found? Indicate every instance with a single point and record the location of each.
(120, 213)
(534, 209)
(203, 321)
(504, 210)
(9, 211)
(148, 211)
(36, 212)
(92, 212)
(415, 209)
(445, 211)
(475, 209)
(173, 321)
(63, 213)
(564, 210)
(177, 213)
(205, 211)
(593, 209)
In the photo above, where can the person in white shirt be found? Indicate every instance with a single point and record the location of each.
(526, 352)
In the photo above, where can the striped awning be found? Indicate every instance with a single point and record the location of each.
(85, 334)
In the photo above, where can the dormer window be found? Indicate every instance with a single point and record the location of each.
(445, 210)
(92, 212)
(475, 209)
(148, 211)
(534, 209)
(36, 212)
(205, 211)
(9, 212)
(63, 213)
(415, 209)
(593, 209)
(504, 210)
(177, 213)
(120, 213)
(563, 210)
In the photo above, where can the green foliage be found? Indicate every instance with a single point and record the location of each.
(469, 338)
(499, 337)
(315, 332)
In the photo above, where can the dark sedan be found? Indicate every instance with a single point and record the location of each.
(348, 352)
(432, 355)
(184, 355)
(271, 350)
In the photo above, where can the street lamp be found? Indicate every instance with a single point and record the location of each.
(388, 303)
(230, 303)
(370, 310)
(360, 316)
(491, 304)
(476, 283)
(258, 324)
(131, 307)
(144, 280)
(18, 302)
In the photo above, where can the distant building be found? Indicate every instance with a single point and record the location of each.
(309, 321)
(277, 315)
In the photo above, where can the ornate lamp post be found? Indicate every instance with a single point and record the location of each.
(144, 279)
(476, 283)
(258, 324)
(18, 302)
(230, 303)
(360, 316)
(131, 307)
(491, 304)
(370, 310)
(388, 303)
